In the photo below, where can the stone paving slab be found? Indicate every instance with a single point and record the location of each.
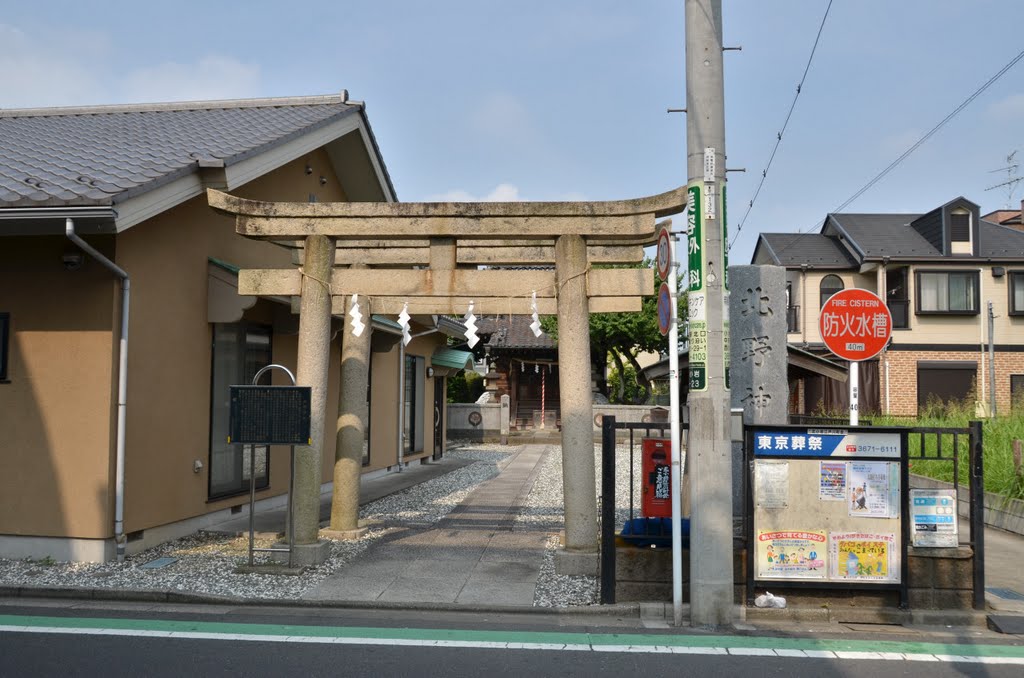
(474, 555)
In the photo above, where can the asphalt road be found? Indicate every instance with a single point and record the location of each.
(167, 641)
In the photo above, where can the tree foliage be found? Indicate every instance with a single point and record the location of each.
(623, 336)
(465, 387)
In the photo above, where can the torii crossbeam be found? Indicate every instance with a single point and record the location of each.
(452, 239)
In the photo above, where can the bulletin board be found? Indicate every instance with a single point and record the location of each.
(826, 506)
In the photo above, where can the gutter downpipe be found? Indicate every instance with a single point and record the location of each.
(981, 337)
(122, 381)
(992, 358)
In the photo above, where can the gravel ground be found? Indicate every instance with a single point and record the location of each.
(205, 562)
(543, 510)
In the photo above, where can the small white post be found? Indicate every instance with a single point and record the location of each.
(677, 459)
(854, 392)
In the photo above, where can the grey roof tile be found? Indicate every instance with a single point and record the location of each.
(813, 249)
(879, 235)
(512, 332)
(105, 154)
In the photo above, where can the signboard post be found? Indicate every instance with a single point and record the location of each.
(270, 415)
(855, 325)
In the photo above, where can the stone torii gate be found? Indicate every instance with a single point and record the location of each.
(451, 240)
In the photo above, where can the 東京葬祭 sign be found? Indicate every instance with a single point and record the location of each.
(827, 443)
(855, 324)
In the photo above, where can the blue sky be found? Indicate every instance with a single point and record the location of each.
(555, 100)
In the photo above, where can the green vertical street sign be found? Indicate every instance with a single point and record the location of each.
(697, 261)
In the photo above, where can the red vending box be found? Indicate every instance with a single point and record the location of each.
(656, 477)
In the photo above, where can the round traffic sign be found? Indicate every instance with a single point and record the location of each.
(664, 255)
(664, 308)
(855, 324)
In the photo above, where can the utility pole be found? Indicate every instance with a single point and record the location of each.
(709, 451)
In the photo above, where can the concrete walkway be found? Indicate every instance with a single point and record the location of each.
(475, 555)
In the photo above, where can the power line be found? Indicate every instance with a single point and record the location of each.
(916, 145)
(778, 137)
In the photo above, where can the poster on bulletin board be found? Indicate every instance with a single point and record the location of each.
(864, 556)
(791, 554)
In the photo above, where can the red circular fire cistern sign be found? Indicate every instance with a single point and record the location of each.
(855, 324)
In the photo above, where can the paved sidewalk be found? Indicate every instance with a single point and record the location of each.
(476, 555)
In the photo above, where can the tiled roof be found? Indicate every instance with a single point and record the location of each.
(813, 249)
(878, 235)
(101, 155)
(512, 334)
(1000, 241)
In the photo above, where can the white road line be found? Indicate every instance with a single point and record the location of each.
(788, 653)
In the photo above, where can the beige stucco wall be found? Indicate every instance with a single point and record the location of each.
(384, 402)
(924, 329)
(170, 359)
(55, 414)
(58, 413)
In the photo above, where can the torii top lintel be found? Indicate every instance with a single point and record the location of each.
(612, 219)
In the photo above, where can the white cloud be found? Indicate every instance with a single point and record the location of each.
(55, 66)
(42, 70)
(500, 193)
(212, 77)
(1010, 108)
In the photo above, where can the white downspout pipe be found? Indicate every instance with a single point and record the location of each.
(122, 382)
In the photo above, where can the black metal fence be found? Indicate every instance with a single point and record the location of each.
(956, 446)
(609, 473)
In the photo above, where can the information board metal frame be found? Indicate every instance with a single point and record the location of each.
(301, 431)
(864, 438)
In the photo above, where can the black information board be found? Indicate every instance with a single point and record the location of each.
(270, 415)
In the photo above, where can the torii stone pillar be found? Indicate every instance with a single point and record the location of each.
(580, 556)
(351, 429)
(314, 355)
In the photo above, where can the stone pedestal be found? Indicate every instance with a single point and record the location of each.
(305, 555)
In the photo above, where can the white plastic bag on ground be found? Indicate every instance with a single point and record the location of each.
(766, 599)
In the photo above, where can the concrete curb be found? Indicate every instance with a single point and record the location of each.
(892, 616)
(793, 615)
(165, 596)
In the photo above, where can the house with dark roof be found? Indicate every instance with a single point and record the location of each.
(954, 283)
(121, 326)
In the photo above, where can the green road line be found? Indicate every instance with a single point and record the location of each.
(532, 637)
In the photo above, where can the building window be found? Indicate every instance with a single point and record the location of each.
(5, 322)
(951, 292)
(1016, 292)
(412, 412)
(896, 297)
(945, 383)
(960, 227)
(239, 351)
(830, 284)
(1017, 391)
(792, 311)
